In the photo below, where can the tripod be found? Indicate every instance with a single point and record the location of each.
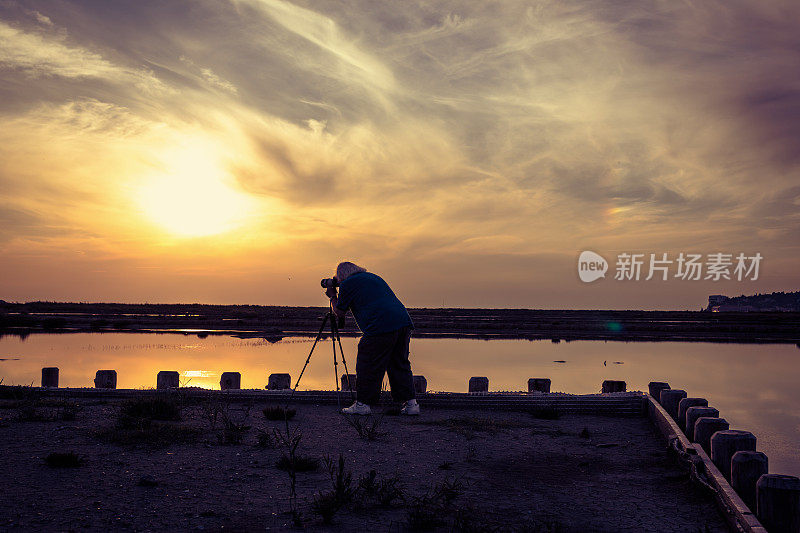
(335, 339)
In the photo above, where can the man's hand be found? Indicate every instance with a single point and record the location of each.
(330, 292)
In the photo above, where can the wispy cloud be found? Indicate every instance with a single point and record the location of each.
(40, 55)
(507, 132)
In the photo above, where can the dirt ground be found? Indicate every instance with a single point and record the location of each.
(464, 470)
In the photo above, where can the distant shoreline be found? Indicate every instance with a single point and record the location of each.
(275, 322)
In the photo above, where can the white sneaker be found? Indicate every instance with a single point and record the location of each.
(411, 407)
(358, 408)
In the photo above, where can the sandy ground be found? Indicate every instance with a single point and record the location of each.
(510, 472)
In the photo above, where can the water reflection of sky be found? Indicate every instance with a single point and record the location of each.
(753, 386)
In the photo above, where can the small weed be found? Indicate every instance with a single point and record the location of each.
(425, 514)
(368, 428)
(340, 479)
(301, 463)
(328, 503)
(326, 506)
(279, 413)
(63, 460)
(584, 434)
(289, 462)
(448, 490)
(383, 492)
(232, 433)
(234, 422)
(265, 439)
(389, 491)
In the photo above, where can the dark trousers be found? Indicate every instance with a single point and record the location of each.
(380, 354)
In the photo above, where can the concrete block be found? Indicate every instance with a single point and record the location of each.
(655, 388)
(539, 385)
(349, 382)
(279, 382)
(420, 385)
(230, 381)
(50, 376)
(610, 385)
(705, 427)
(105, 379)
(692, 414)
(684, 405)
(746, 469)
(479, 384)
(168, 379)
(670, 398)
(727, 442)
(779, 503)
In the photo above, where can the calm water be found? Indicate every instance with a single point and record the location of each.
(755, 387)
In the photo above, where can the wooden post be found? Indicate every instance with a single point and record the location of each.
(684, 405)
(705, 427)
(50, 377)
(420, 385)
(105, 379)
(349, 382)
(692, 414)
(779, 503)
(655, 388)
(279, 382)
(746, 468)
(727, 442)
(610, 385)
(670, 398)
(539, 385)
(479, 384)
(167, 379)
(230, 380)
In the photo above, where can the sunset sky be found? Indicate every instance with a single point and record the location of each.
(234, 151)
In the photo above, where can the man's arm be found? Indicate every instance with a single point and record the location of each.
(331, 292)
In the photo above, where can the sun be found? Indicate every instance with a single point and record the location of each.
(194, 196)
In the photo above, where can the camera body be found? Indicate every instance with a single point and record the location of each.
(328, 283)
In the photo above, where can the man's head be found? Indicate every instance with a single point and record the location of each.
(347, 269)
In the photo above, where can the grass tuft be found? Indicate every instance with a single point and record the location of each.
(302, 463)
(367, 427)
(140, 412)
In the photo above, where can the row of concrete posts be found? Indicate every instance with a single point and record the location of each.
(170, 379)
(775, 498)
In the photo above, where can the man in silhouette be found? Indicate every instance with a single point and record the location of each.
(383, 348)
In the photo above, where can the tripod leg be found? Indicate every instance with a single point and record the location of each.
(308, 359)
(335, 362)
(335, 329)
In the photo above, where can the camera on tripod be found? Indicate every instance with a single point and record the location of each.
(329, 283)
